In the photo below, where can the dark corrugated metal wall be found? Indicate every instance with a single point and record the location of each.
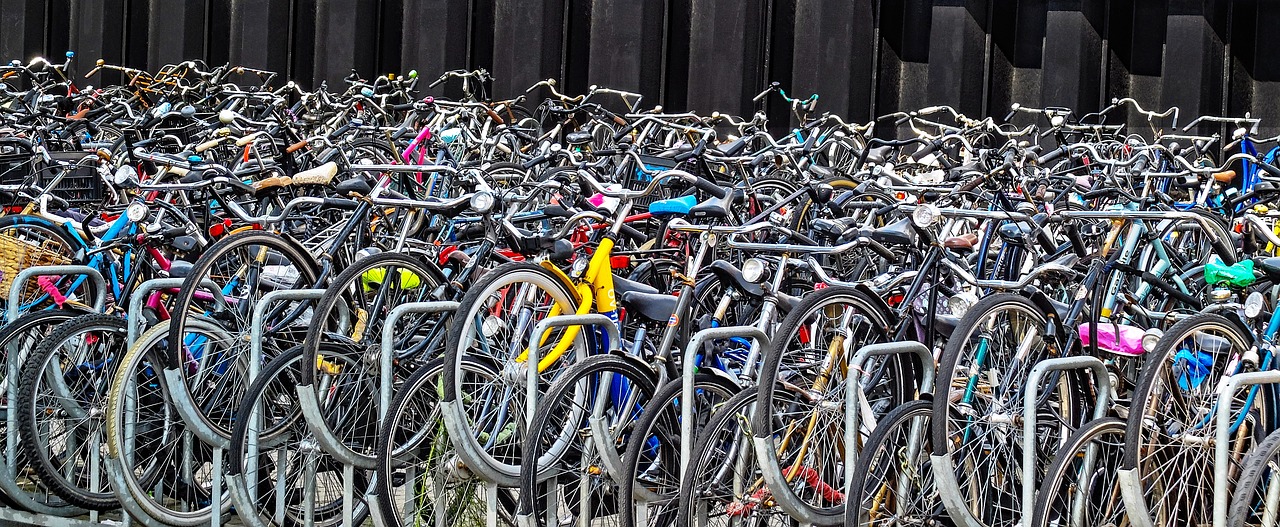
(864, 57)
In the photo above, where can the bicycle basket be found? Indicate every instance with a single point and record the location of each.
(637, 179)
(17, 254)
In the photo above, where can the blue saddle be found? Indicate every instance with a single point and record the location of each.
(679, 205)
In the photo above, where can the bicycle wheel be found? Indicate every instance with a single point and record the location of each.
(493, 325)
(245, 267)
(651, 466)
(983, 372)
(165, 472)
(273, 461)
(18, 340)
(61, 394)
(420, 479)
(347, 329)
(573, 456)
(723, 485)
(807, 356)
(1173, 418)
(893, 479)
(1081, 486)
(1256, 498)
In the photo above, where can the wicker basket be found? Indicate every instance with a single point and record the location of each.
(16, 255)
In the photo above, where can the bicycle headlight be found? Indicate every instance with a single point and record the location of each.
(753, 270)
(1150, 338)
(482, 202)
(924, 215)
(136, 212)
(579, 266)
(123, 175)
(959, 303)
(1253, 304)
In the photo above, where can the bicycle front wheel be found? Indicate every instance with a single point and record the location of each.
(494, 325)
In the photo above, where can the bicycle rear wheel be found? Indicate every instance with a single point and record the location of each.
(893, 479)
(573, 454)
(421, 480)
(164, 471)
(273, 460)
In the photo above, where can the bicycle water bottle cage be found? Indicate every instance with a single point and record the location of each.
(1239, 274)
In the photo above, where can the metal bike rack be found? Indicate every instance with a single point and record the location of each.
(13, 368)
(689, 370)
(1221, 449)
(15, 291)
(242, 497)
(531, 401)
(944, 469)
(853, 399)
(386, 392)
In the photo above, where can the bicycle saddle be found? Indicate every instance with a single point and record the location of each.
(180, 269)
(733, 276)
(679, 206)
(355, 185)
(963, 242)
(1269, 265)
(900, 232)
(321, 175)
(578, 138)
(716, 207)
(622, 286)
(876, 155)
(732, 148)
(653, 306)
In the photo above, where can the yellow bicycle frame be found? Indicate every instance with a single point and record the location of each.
(597, 283)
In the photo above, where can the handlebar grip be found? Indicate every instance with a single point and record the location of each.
(295, 147)
(971, 184)
(341, 203)
(1269, 168)
(697, 151)
(632, 234)
(535, 161)
(207, 145)
(402, 107)
(341, 130)
(1051, 156)
(928, 148)
(1099, 193)
(710, 187)
(880, 249)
